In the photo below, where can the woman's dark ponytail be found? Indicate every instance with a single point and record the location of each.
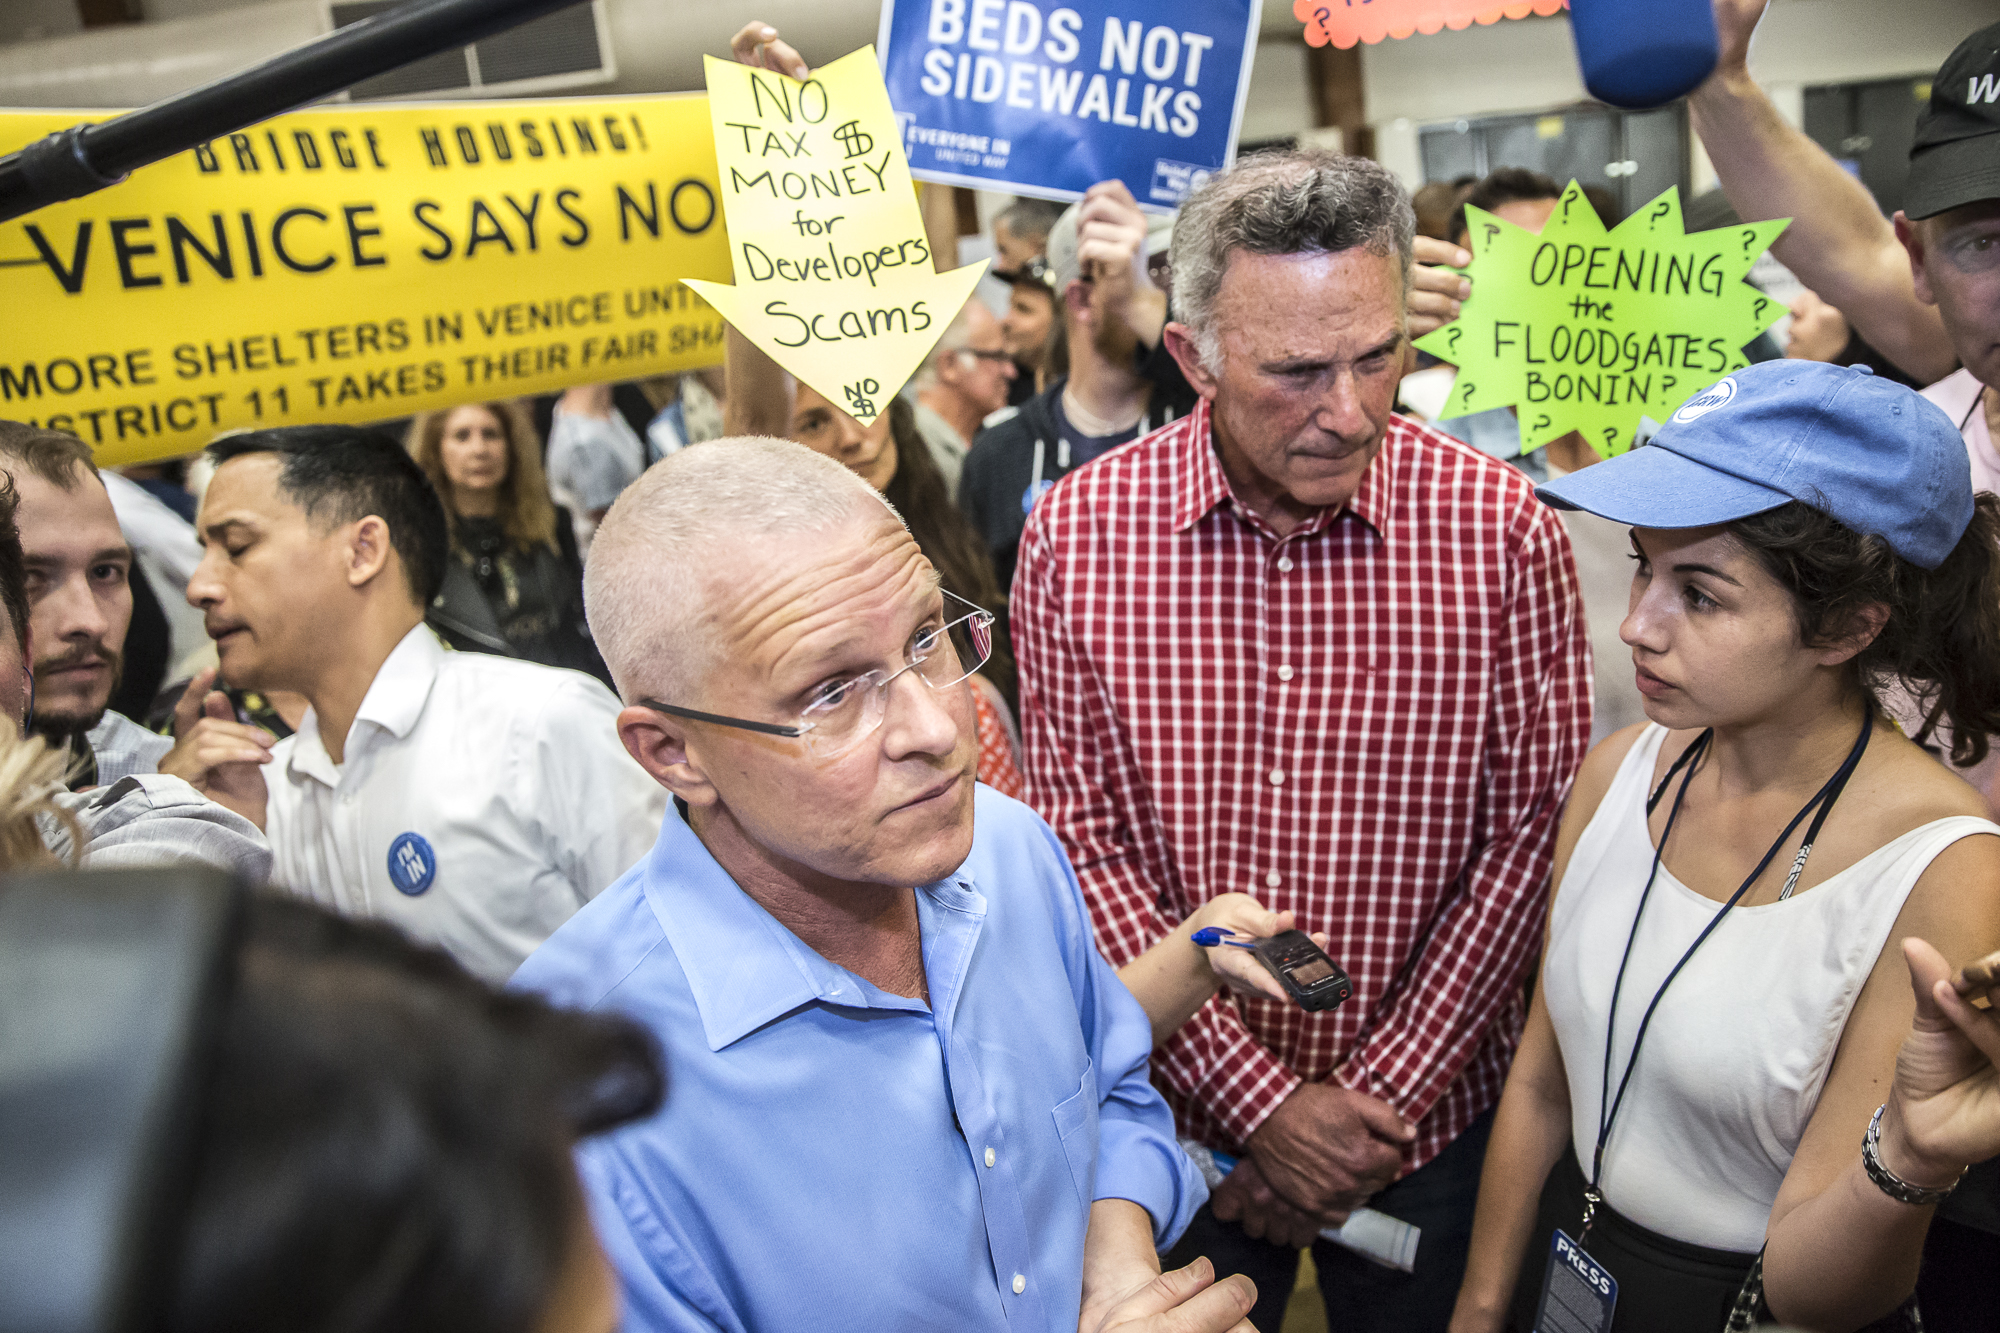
(1942, 638)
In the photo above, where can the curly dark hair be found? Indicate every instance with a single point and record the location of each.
(1942, 638)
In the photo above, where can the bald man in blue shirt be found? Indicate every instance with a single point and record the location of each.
(905, 1091)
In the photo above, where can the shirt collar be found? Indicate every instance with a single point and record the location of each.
(394, 702)
(1200, 484)
(395, 698)
(745, 969)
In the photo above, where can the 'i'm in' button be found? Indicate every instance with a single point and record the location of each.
(412, 864)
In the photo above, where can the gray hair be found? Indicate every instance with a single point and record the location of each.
(680, 529)
(957, 336)
(1030, 218)
(1289, 203)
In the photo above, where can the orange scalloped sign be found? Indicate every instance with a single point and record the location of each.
(1345, 22)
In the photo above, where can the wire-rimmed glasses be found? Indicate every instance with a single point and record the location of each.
(848, 710)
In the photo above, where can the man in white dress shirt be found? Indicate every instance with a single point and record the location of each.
(80, 604)
(474, 801)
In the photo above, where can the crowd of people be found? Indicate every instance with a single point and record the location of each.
(735, 867)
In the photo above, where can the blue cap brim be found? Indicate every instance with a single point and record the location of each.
(1654, 487)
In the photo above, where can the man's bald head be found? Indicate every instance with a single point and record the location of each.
(677, 532)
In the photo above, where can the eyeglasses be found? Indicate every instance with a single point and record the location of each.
(846, 711)
(984, 354)
(1036, 270)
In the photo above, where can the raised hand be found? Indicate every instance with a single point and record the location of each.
(215, 754)
(757, 44)
(1735, 20)
(1435, 291)
(1945, 1107)
(1110, 252)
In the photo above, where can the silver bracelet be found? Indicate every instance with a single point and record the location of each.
(1893, 1185)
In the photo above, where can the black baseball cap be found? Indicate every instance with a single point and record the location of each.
(1955, 159)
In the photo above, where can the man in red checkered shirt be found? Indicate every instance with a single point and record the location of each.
(1297, 646)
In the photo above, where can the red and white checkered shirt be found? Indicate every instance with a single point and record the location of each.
(1373, 722)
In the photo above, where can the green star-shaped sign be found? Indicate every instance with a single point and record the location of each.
(1583, 329)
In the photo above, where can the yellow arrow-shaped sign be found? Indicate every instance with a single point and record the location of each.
(834, 277)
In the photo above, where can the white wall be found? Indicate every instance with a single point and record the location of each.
(32, 20)
(1530, 65)
(1280, 98)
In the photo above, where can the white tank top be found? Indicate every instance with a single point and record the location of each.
(1737, 1053)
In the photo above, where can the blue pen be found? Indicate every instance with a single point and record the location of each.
(1210, 936)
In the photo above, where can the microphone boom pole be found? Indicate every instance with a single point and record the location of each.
(82, 159)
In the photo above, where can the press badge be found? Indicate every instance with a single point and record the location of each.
(1578, 1295)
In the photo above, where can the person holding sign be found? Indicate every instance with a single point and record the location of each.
(1923, 287)
(1743, 884)
(1111, 315)
(1297, 645)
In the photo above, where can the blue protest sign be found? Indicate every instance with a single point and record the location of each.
(1048, 98)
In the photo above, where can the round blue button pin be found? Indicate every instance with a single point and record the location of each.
(412, 864)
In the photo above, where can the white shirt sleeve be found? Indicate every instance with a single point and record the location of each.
(594, 809)
(592, 458)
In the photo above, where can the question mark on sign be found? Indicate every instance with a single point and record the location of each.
(1451, 336)
(1653, 218)
(1541, 423)
(1668, 382)
(1749, 238)
(1470, 389)
(1610, 439)
(1568, 199)
(1492, 230)
(1322, 14)
(1761, 304)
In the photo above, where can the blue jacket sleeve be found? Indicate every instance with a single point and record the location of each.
(1138, 1156)
(662, 1288)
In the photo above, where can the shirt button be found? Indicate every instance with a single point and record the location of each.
(1284, 564)
(1020, 1284)
(1284, 673)
(1277, 777)
(1273, 880)
(989, 1157)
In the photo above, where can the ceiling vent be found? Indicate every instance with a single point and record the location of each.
(570, 48)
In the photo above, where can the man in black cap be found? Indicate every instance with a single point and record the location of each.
(1923, 288)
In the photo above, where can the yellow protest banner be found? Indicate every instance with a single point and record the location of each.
(834, 278)
(357, 263)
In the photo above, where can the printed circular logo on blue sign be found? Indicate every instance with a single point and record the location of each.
(412, 863)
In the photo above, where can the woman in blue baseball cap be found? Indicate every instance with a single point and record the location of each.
(1690, 1136)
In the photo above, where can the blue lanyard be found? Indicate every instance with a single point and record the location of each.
(1822, 803)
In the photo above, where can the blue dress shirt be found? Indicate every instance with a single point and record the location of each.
(831, 1156)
